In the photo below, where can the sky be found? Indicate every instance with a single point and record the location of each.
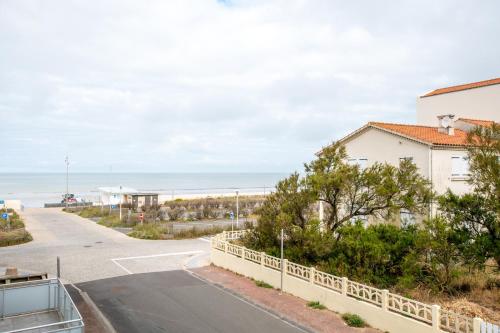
(222, 86)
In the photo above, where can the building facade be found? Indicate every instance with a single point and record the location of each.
(478, 100)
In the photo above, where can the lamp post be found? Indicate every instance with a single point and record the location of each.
(67, 180)
(237, 210)
(282, 265)
(120, 203)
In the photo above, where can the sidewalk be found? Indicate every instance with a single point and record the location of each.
(285, 305)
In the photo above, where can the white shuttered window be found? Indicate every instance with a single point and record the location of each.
(459, 166)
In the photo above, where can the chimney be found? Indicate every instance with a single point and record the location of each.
(446, 124)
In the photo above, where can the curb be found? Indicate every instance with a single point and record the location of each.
(95, 310)
(252, 302)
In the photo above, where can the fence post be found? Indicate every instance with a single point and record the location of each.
(225, 247)
(435, 318)
(312, 273)
(262, 258)
(243, 253)
(344, 285)
(476, 325)
(285, 264)
(385, 299)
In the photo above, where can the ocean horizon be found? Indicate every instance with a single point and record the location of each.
(34, 189)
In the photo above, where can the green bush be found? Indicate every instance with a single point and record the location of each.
(263, 284)
(112, 221)
(149, 231)
(316, 305)
(89, 212)
(353, 320)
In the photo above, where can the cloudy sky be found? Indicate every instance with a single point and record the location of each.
(233, 86)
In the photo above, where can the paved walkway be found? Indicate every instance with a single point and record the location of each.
(89, 251)
(288, 306)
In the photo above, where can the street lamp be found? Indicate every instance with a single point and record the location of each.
(237, 210)
(67, 180)
(120, 203)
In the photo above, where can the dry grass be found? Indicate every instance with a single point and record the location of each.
(477, 295)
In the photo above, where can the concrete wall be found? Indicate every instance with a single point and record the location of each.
(380, 146)
(375, 316)
(478, 103)
(14, 204)
(441, 172)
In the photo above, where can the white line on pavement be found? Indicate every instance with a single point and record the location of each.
(160, 255)
(119, 265)
(204, 239)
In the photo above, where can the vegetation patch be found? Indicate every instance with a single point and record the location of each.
(316, 305)
(263, 284)
(112, 221)
(149, 231)
(353, 320)
(13, 233)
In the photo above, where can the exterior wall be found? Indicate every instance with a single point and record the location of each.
(441, 172)
(14, 204)
(375, 316)
(380, 146)
(478, 103)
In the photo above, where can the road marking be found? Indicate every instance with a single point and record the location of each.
(115, 260)
(204, 239)
(161, 255)
(119, 265)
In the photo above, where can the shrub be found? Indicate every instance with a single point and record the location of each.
(89, 212)
(263, 284)
(149, 231)
(14, 237)
(316, 305)
(353, 320)
(111, 221)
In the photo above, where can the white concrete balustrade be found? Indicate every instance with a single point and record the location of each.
(380, 308)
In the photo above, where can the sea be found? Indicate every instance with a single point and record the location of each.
(36, 189)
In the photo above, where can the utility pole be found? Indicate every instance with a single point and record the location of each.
(120, 203)
(237, 210)
(67, 180)
(282, 265)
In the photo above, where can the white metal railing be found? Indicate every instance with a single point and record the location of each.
(32, 297)
(446, 320)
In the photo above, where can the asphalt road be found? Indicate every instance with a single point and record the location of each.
(89, 251)
(176, 301)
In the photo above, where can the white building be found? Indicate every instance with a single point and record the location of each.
(439, 152)
(478, 100)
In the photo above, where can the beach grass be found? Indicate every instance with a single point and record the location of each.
(14, 232)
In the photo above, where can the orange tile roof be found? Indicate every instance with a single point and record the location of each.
(426, 134)
(463, 87)
(478, 122)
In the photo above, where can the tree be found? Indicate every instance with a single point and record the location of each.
(476, 215)
(484, 153)
(289, 207)
(350, 192)
(476, 224)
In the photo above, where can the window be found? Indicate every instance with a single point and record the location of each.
(363, 219)
(459, 166)
(408, 158)
(406, 217)
(362, 162)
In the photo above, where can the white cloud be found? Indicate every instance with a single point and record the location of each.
(208, 85)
